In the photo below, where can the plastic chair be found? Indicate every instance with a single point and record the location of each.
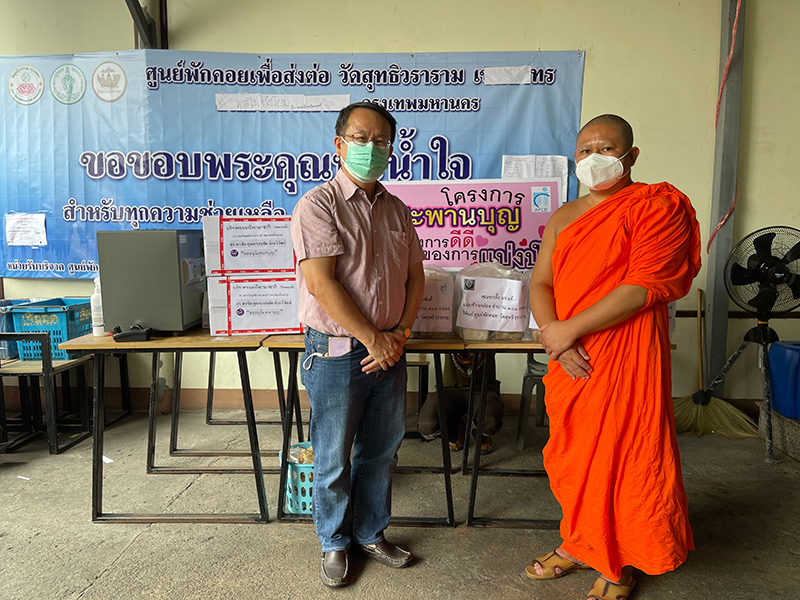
(533, 377)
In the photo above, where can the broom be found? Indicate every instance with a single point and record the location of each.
(701, 413)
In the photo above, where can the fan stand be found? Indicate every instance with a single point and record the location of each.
(763, 335)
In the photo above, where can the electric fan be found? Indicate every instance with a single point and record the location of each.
(762, 276)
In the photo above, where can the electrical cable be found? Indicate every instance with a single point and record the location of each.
(716, 118)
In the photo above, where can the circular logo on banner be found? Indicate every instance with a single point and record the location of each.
(68, 84)
(26, 84)
(109, 81)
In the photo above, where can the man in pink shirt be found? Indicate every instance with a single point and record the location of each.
(361, 283)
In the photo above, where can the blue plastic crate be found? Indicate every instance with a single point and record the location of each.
(299, 485)
(63, 318)
(8, 349)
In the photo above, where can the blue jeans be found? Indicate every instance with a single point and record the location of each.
(359, 411)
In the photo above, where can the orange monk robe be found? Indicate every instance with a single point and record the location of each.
(612, 457)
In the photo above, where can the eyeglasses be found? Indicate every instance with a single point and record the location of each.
(360, 139)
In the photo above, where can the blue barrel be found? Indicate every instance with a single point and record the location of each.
(784, 364)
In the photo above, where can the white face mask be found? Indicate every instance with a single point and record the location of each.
(600, 171)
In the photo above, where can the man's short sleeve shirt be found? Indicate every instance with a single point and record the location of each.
(373, 242)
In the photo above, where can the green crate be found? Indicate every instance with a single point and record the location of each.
(63, 318)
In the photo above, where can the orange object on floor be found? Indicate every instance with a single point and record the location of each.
(612, 457)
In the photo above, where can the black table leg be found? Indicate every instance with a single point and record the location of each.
(276, 359)
(476, 458)
(99, 417)
(3, 422)
(125, 391)
(176, 404)
(125, 383)
(470, 407)
(287, 434)
(437, 361)
(51, 411)
(151, 422)
(83, 397)
(293, 393)
(247, 393)
(212, 368)
(292, 406)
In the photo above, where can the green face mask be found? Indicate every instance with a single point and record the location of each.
(366, 163)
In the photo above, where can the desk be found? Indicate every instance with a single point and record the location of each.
(31, 411)
(294, 345)
(192, 341)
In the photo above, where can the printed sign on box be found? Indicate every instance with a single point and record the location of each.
(245, 304)
(435, 313)
(493, 304)
(482, 220)
(236, 245)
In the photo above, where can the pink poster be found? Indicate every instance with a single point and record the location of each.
(462, 223)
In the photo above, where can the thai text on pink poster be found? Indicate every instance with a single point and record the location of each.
(482, 220)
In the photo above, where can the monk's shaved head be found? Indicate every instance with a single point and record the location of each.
(621, 125)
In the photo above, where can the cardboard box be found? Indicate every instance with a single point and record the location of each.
(248, 304)
(239, 245)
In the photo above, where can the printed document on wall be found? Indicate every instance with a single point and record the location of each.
(538, 166)
(25, 229)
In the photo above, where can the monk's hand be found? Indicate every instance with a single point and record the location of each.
(384, 352)
(557, 337)
(575, 362)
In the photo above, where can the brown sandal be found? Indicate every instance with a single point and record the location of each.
(549, 563)
(606, 590)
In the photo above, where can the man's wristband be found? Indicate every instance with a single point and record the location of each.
(405, 330)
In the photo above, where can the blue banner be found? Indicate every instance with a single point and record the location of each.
(152, 139)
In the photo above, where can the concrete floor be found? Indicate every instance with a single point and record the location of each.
(745, 515)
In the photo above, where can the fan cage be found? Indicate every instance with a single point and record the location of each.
(784, 239)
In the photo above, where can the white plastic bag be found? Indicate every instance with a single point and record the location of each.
(435, 316)
(491, 302)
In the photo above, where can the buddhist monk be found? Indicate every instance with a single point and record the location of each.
(609, 263)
